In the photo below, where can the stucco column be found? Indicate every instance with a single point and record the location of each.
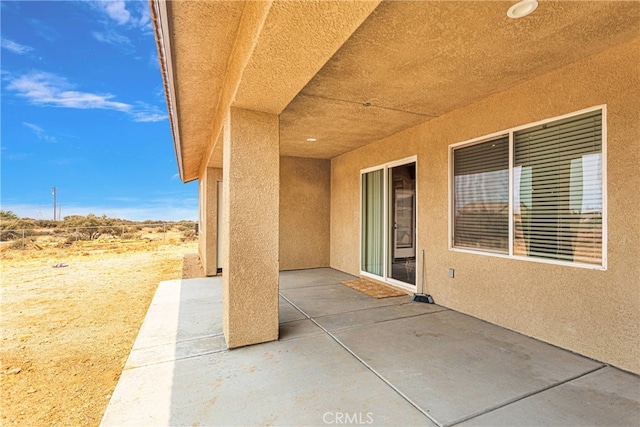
(208, 233)
(251, 156)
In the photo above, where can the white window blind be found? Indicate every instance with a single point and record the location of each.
(481, 196)
(557, 199)
(558, 190)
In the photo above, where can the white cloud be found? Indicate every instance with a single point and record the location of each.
(144, 113)
(46, 89)
(116, 10)
(40, 133)
(41, 88)
(112, 37)
(147, 117)
(15, 47)
(145, 20)
(133, 14)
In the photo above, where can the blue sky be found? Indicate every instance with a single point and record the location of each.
(83, 110)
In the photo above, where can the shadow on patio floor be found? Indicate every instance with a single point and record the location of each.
(346, 358)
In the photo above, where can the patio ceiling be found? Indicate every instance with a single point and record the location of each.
(414, 61)
(318, 63)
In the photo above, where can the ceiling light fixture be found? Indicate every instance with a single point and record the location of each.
(522, 9)
(311, 139)
(366, 104)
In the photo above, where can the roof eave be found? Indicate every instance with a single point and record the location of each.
(160, 20)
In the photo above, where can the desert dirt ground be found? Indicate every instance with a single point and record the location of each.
(66, 332)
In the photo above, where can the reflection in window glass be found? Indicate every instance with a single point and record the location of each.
(557, 202)
(372, 222)
(558, 190)
(481, 196)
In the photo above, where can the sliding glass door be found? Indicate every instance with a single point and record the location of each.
(402, 223)
(388, 218)
(373, 222)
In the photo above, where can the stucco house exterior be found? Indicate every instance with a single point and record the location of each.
(494, 161)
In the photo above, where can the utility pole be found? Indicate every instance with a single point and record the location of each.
(54, 203)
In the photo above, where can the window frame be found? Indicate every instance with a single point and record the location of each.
(510, 133)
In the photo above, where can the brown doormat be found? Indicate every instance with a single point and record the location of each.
(373, 289)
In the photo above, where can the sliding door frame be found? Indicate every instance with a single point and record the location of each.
(386, 235)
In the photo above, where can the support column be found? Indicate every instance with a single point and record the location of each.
(208, 201)
(251, 156)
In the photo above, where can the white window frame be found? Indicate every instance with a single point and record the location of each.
(385, 237)
(510, 132)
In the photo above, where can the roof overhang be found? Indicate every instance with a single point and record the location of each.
(249, 54)
(348, 73)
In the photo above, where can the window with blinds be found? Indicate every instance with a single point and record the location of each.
(556, 205)
(558, 189)
(481, 196)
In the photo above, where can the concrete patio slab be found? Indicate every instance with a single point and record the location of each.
(607, 397)
(172, 351)
(287, 312)
(455, 366)
(165, 320)
(312, 277)
(306, 378)
(298, 328)
(355, 361)
(298, 382)
(370, 316)
(174, 331)
(333, 299)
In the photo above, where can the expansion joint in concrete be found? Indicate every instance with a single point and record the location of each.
(522, 397)
(365, 364)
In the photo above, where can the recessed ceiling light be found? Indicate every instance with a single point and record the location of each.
(366, 104)
(311, 139)
(522, 9)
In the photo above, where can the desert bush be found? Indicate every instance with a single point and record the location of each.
(48, 223)
(7, 216)
(5, 236)
(91, 227)
(29, 243)
(41, 232)
(17, 224)
(14, 229)
(75, 228)
(73, 237)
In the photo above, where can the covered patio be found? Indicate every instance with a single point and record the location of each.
(346, 358)
(491, 159)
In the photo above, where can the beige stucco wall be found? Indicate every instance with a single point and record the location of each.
(208, 215)
(595, 313)
(251, 181)
(305, 199)
(345, 194)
